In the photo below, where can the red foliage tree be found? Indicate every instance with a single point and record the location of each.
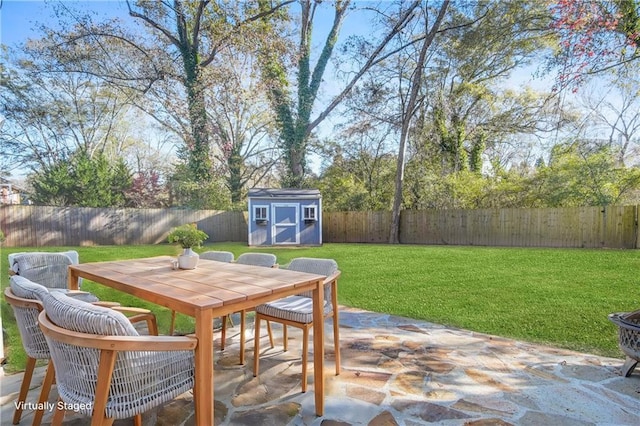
(147, 191)
(594, 36)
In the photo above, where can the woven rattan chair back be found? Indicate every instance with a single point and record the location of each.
(26, 315)
(267, 260)
(47, 269)
(220, 256)
(326, 267)
(71, 254)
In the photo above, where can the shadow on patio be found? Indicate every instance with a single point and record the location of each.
(398, 371)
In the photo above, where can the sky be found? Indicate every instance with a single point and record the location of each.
(19, 18)
(16, 19)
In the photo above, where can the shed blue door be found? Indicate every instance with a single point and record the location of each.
(285, 228)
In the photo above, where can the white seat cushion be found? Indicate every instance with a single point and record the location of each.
(292, 308)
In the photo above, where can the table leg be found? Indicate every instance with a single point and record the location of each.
(318, 347)
(242, 331)
(203, 389)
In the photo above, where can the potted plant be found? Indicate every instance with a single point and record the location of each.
(188, 236)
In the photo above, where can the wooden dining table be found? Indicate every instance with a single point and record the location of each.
(211, 290)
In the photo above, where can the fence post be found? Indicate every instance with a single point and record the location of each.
(635, 227)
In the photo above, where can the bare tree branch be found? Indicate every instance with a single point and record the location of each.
(404, 19)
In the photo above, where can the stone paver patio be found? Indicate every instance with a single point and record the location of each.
(398, 371)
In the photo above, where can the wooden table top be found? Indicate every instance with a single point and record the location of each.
(212, 285)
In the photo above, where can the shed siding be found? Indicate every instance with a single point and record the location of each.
(274, 230)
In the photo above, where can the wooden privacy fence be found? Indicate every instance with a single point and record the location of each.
(36, 226)
(587, 227)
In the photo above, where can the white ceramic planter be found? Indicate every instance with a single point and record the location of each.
(188, 259)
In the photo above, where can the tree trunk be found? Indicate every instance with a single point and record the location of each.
(407, 115)
(235, 177)
(199, 158)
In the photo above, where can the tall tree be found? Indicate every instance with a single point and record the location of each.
(293, 109)
(49, 117)
(193, 32)
(409, 108)
(359, 171)
(579, 174)
(243, 128)
(468, 109)
(82, 180)
(614, 109)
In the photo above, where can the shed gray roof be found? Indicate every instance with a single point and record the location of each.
(283, 193)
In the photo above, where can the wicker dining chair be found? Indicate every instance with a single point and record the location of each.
(48, 269)
(25, 298)
(104, 368)
(297, 311)
(266, 260)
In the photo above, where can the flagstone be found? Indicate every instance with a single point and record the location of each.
(486, 406)
(411, 382)
(383, 419)
(485, 379)
(534, 418)
(427, 411)
(433, 364)
(591, 373)
(370, 379)
(365, 394)
(274, 415)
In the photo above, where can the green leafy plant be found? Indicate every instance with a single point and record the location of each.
(187, 236)
(2, 237)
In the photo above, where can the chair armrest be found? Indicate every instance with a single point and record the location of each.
(79, 293)
(130, 310)
(14, 300)
(106, 304)
(333, 277)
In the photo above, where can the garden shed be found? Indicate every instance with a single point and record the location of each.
(285, 217)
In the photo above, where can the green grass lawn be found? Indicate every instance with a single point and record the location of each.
(559, 297)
